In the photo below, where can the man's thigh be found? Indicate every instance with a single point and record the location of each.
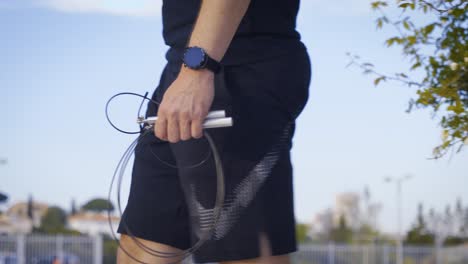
(130, 252)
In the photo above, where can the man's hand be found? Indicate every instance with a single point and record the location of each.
(185, 105)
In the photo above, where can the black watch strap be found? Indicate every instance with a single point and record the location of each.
(212, 64)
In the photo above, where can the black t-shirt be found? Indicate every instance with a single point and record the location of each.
(267, 29)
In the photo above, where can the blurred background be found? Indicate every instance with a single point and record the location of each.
(380, 169)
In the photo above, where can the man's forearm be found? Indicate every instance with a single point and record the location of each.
(216, 25)
(186, 102)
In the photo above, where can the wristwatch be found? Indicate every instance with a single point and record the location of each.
(196, 58)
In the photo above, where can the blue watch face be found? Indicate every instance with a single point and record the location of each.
(194, 57)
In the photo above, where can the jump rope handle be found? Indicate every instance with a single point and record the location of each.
(214, 119)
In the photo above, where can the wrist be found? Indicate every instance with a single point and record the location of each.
(198, 73)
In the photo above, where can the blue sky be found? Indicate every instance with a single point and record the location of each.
(61, 60)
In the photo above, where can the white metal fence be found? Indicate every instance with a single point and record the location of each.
(381, 254)
(89, 250)
(50, 249)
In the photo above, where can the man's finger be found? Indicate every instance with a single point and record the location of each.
(196, 128)
(185, 129)
(173, 133)
(160, 128)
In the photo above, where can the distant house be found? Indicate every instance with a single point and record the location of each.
(16, 220)
(92, 223)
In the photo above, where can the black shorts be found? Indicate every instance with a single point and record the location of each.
(171, 205)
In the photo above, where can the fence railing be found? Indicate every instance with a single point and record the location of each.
(33, 249)
(378, 254)
(50, 249)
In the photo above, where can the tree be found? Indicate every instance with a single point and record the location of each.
(53, 221)
(439, 50)
(73, 207)
(3, 197)
(301, 232)
(342, 233)
(98, 205)
(447, 227)
(110, 247)
(30, 207)
(419, 234)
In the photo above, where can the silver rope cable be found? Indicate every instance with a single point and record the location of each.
(120, 171)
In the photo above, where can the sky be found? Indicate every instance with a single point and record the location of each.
(60, 60)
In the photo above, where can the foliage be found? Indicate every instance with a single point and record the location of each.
(301, 232)
(54, 222)
(110, 247)
(3, 197)
(342, 233)
(366, 234)
(73, 207)
(98, 205)
(419, 234)
(447, 227)
(440, 50)
(454, 241)
(30, 207)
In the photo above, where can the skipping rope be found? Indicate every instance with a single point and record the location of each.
(213, 120)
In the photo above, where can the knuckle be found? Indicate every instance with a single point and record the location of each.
(162, 111)
(184, 115)
(197, 115)
(172, 113)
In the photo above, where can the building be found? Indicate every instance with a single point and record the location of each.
(17, 221)
(93, 223)
(347, 205)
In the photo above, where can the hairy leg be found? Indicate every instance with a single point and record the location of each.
(133, 249)
(265, 255)
(283, 259)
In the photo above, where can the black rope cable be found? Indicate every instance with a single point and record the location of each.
(141, 105)
(144, 98)
(120, 171)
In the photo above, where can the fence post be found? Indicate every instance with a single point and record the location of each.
(97, 249)
(385, 255)
(365, 253)
(439, 245)
(331, 253)
(21, 249)
(59, 248)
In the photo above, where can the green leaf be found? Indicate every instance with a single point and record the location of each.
(428, 29)
(391, 41)
(416, 65)
(411, 40)
(378, 80)
(433, 62)
(379, 23)
(457, 108)
(406, 25)
(377, 4)
(404, 5)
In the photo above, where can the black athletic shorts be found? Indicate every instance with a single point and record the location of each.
(173, 206)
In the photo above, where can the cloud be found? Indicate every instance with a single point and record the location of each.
(144, 8)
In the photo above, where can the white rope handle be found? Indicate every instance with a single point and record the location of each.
(214, 119)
